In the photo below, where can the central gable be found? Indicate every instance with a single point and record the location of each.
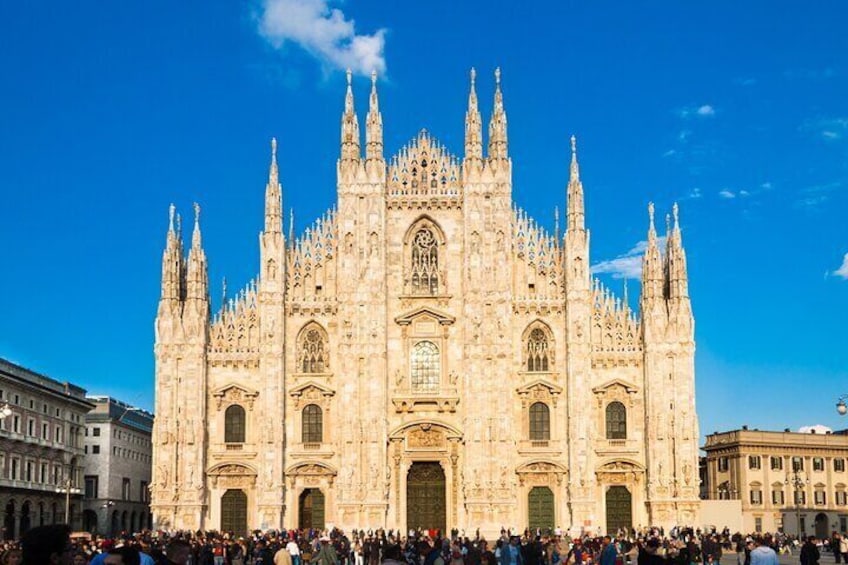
(424, 167)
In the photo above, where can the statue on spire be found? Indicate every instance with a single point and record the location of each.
(273, 195)
(576, 208)
(497, 124)
(350, 125)
(374, 124)
(473, 124)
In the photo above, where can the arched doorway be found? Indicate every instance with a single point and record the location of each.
(234, 512)
(9, 521)
(540, 508)
(619, 509)
(822, 526)
(89, 520)
(311, 509)
(124, 516)
(42, 514)
(115, 523)
(425, 496)
(26, 520)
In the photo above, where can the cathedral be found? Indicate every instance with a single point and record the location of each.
(425, 355)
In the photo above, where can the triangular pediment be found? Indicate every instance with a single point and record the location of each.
(425, 311)
(543, 384)
(305, 387)
(233, 389)
(628, 387)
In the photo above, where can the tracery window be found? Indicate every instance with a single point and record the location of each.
(540, 422)
(537, 351)
(234, 424)
(616, 421)
(425, 262)
(426, 365)
(313, 351)
(313, 424)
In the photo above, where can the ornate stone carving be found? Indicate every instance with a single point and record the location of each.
(425, 438)
(234, 394)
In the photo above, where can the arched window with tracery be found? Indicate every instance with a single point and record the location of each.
(313, 424)
(616, 420)
(313, 350)
(234, 424)
(537, 351)
(540, 422)
(425, 262)
(426, 366)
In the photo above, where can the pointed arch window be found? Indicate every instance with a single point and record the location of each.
(540, 422)
(537, 351)
(313, 351)
(313, 424)
(425, 262)
(234, 424)
(616, 420)
(425, 367)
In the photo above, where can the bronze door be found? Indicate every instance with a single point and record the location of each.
(234, 512)
(311, 509)
(619, 509)
(540, 508)
(425, 497)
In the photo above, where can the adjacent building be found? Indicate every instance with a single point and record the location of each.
(790, 481)
(41, 450)
(425, 355)
(117, 467)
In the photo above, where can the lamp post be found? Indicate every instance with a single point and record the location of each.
(841, 407)
(68, 489)
(798, 483)
(5, 411)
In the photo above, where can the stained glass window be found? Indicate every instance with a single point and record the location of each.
(616, 421)
(540, 422)
(537, 351)
(313, 424)
(313, 352)
(234, 425)
(425, 367)
(425, 263)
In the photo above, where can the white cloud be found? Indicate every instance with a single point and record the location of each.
(670, 153)
(842, 272)
(694, 193)
(324, 32)
(705, 110)
(627, 266)
(828, 128)
(727, 194)
(744, 193)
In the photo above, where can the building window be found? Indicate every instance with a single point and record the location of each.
(95, 449)
(616, 421)
(44, 473)
(313, 424)
(756, 496)
(14, 470)
(818, 464)
(841, 498)
(843, 523)
(95, 432)
(540, 422)
(143, 492)
(537, 351)
(91, 486)
(754, 462)
(234, 424)
(800, 497)
(425, 367)
(125, 489)
(819, 497)
(313, 350)
(839, 465)
(16, 424)
(758, 524)
(45, 431)
(31, 428)
(777, 496)
(29, 476)
(425, 263)
(722, 464)
(797, 463)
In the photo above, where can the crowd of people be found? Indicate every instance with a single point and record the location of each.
(53, 545)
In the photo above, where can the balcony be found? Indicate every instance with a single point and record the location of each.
(615, 446)
(312, 446)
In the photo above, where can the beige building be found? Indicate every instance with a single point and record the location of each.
(425, 355)
(118, 460)
(41, 450)
(785, 480)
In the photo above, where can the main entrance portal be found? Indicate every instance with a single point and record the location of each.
(425, 496)
(311, 509)
(619, 509)
(540, 508)
(234, 512)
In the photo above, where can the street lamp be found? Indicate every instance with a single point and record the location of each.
(5, 411)
(798, 483)
(841, 407)
(68, 489)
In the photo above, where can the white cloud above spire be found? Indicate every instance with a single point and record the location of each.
(324, 32)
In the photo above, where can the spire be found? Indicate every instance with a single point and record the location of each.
(556, 224)
(497, 124)
(374, 124)
(473, 124)
(291, 226)
(273, 195)
(678, 280)
(172, 262)
(350, 125)
(652, 266)
(197, 281)
(576, 210)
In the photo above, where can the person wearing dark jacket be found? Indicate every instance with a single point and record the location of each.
(810, 552)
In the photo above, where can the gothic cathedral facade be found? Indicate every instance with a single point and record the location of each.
(425, 355)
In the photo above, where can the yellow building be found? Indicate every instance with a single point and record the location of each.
(425, 355)
(785, 480)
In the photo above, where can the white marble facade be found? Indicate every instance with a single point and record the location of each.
(425, 318)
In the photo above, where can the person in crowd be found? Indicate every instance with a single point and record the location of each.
(282, 557)
(608, 552)
(511, 552)
(393, 555)
(763, 553)
(12, 557)
(810, 552)
(124, 555)
(326, 555)
(47, 545)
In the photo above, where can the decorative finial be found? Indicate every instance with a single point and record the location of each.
(473, 76)
(224, 291)
(573, 145)
(274, 147)
(498, 76)
(651, 212)
(674, 210)
(171, 210)
(349, 77)
(196, 207)
(374, 77)
(179, 224)
(668, 223)
(291, 226)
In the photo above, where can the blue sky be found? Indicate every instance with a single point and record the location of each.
(738, 111)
